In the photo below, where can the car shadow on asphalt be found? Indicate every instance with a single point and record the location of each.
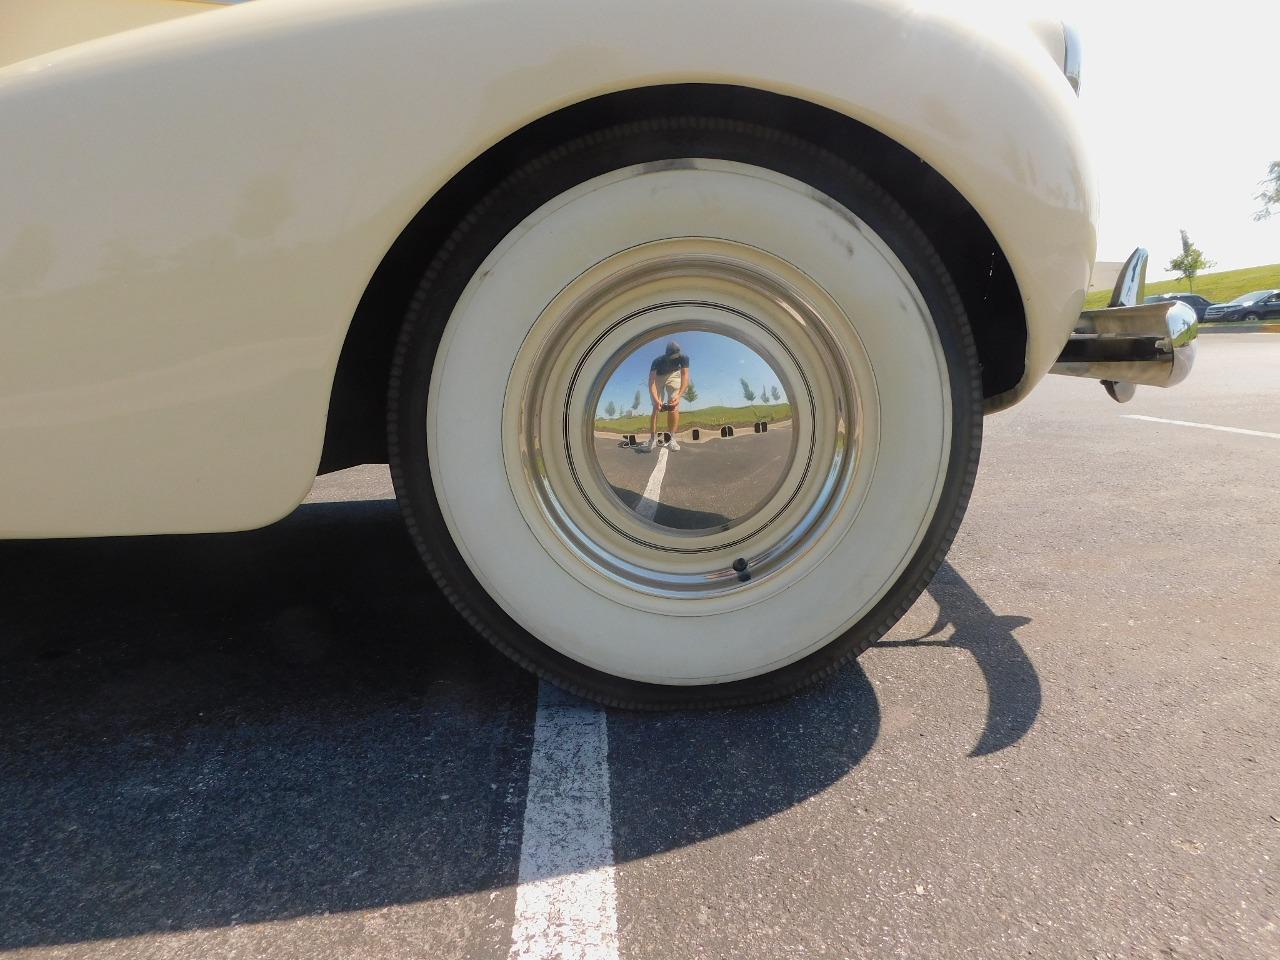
(206, 731)
(1013, 685)
(199, 732)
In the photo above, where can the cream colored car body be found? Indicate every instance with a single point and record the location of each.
(191, 210)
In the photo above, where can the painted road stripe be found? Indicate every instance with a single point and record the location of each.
(648, 504)
(566, 904)
(1203, 426)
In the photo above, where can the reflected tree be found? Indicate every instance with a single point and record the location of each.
(1270, 196)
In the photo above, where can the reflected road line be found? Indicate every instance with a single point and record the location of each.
(566, 903)
(1203, 426)
(648, 505)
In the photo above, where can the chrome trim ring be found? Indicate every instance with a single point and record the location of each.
(655, 290)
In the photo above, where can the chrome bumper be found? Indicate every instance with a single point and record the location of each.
(1130, 342)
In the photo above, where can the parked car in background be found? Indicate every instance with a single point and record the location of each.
(1247, 308)
(1193, 300)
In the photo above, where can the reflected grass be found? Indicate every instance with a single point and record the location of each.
(706, 418)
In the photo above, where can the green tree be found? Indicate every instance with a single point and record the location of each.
(610, 410)
(1190, 262)
(777, 397)
(1270, 195)
(747, 392)
(635, 402)
(691, 393)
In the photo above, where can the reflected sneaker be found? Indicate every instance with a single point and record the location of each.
(674, 444)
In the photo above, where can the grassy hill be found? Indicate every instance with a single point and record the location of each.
(1218, 287)
(706, 418)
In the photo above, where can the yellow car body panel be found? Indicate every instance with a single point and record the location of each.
(192, 210)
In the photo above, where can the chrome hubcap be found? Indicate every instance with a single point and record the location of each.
(732, 509)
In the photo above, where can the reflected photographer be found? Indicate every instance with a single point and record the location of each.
(668, 383)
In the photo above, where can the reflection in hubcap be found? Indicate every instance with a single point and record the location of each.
(711, 422)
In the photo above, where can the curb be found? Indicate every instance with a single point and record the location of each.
(1239, 328)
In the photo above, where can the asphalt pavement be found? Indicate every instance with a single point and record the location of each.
(703, 485)
(283, 743)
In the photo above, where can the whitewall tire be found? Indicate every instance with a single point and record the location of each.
(628, 235)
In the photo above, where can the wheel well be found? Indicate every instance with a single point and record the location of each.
(355, 431)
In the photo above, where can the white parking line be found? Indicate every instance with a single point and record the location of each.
(1203, 426)
(566, 904)
(648, 504)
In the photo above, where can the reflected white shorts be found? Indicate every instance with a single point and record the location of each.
(670, 388)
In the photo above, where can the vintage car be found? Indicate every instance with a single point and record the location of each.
(244, 244)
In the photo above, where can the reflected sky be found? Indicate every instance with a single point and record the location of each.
(716, 365)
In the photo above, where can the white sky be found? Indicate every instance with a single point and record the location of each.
(1182, 105)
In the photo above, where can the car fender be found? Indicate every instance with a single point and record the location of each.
(193, 209)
